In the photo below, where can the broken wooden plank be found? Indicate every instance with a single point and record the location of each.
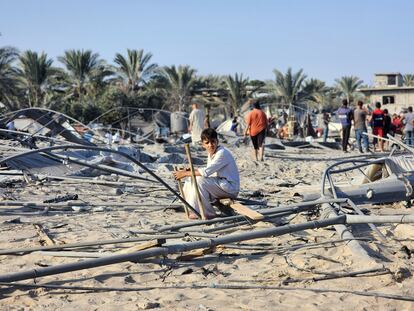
(199, 253)
(242, 210)
(44, 238)
(139, 247)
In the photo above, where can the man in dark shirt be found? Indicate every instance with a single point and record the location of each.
(360, 126)
(345, 116)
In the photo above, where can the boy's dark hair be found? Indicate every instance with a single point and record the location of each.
(209, 134)
(344, 102)
(378, 105)
(360, 103)
(386, 111)
(256, 105)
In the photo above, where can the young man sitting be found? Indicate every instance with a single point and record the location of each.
(219, 179)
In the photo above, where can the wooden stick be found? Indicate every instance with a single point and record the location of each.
(242, 210)
(180, 187)
(43, 236)
(193, 176)
(139, 247)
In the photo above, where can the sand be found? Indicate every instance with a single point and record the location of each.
(263, 262)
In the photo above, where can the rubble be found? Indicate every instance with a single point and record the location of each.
(103, 204)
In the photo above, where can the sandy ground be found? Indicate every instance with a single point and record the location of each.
(264, 262)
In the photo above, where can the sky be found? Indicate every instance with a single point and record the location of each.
(328, 39)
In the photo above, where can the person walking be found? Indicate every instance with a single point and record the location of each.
(409, 127)
(345, 116)
(197, 123)
(360, 127)
(257, 123)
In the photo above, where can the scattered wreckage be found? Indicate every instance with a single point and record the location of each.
(384, 180)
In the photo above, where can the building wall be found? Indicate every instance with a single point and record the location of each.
(382, 80)
(403, 99)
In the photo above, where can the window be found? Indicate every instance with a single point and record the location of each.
(388, 100)
(392, 80)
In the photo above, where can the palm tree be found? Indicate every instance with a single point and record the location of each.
(347, 87)
(8, 76)
(135, 69)
(35, 73)
(179, 84)
(82, 67)
(237, 93)
(289, 87)
(318, 92)
(208, 82)
(408, 80)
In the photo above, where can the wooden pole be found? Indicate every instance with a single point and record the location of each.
(194, 179)
(180, 187)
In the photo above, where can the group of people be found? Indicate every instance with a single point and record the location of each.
(382, 123)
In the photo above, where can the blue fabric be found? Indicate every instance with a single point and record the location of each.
(359, 135)
(377, 119)
(344, 115)
(325, 134)
(409, 138)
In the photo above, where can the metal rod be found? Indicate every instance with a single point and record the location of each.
(127, 156)
(169, 249)
(26, 250)
(395, 219)
(344, 233)
(371, 225)
(297, 207)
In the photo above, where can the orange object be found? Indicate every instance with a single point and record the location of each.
(257, 120)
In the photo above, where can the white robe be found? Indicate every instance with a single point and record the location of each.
(220, 179)
(197, 121)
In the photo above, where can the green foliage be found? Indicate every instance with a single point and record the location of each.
(408, 80)
(289, 86)
(8, 82)
(179, 83)
(347, 88)
(35, 74)
(236, 87)
(209, 82)
(135, 69)
(318, 94)
(84, 72)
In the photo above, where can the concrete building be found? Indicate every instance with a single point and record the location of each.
(388, 89)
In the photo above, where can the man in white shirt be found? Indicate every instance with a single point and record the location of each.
(219, 179)
(196, 126)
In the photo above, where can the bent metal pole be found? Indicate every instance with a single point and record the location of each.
(127, 156)
(169, 249)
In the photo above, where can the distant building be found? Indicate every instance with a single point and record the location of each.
(388, 89)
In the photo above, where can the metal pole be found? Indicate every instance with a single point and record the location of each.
(344, 233)
(395, 219)
(170, 249)
(127, 156)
